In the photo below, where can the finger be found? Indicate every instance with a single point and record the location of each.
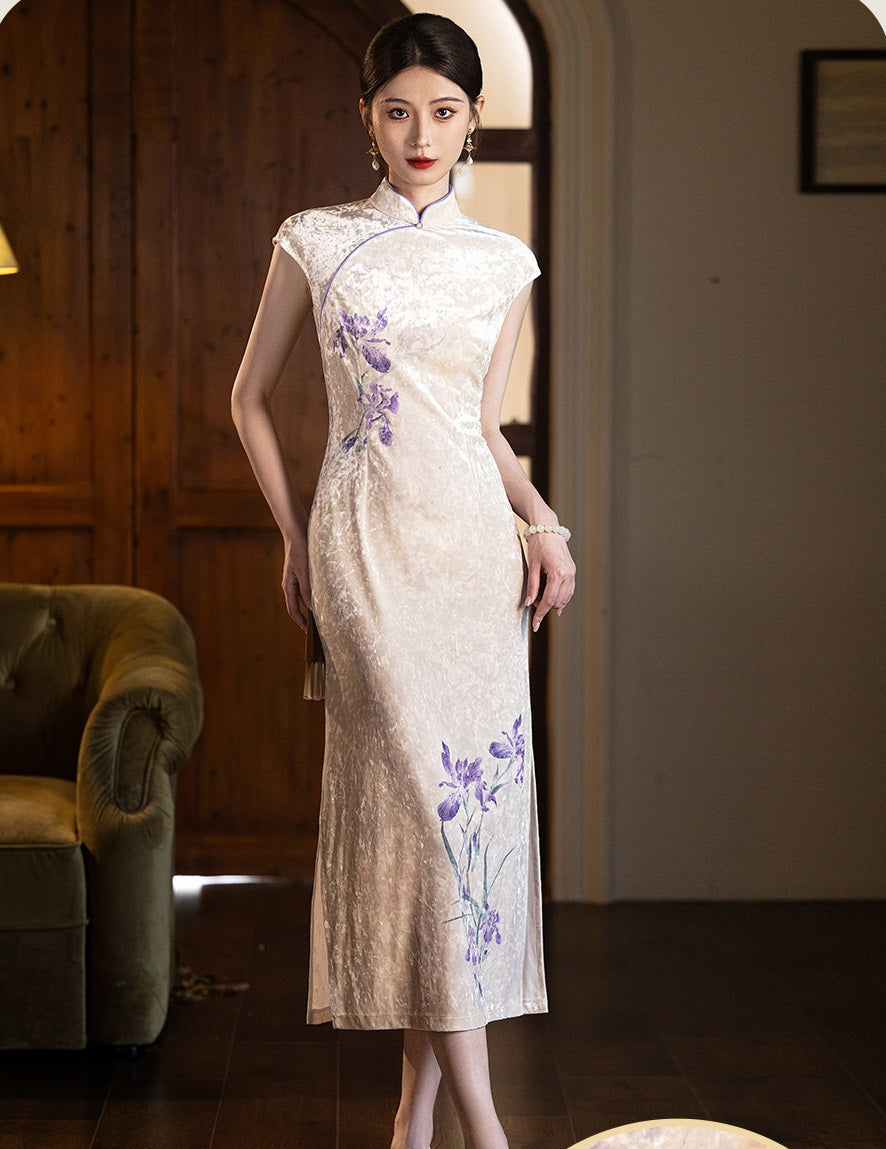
(543, 606)
(295, 612)
(556, 595)
(567, 590)
(538, 616)
(533, 582)
(297, 601)
(561, 606)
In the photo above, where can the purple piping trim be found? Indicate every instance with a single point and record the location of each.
(332, 279)
(386, 231)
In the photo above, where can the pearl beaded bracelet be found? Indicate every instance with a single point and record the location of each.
(541, 529)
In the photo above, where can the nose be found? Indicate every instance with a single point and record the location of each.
(422, 132)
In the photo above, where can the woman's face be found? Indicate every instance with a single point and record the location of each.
(420, 120)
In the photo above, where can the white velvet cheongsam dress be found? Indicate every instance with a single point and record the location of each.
(426, 908)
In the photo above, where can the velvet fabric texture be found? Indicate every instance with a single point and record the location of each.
(426, 909)
(100, 704)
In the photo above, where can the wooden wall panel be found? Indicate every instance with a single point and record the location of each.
(65, 398)
(57, 556)
(243, 113)
(256, 777)
(111, 291)
(246, 147)
(44, 127)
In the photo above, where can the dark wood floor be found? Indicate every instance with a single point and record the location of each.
(769, 1017)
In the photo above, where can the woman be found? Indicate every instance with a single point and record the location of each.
(426, 908)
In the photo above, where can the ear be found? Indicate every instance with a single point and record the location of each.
(366, 116)
(476, 110)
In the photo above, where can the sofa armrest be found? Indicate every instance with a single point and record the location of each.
(142, 728)
(149, 705)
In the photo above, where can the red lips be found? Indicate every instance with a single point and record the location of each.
(421, 163)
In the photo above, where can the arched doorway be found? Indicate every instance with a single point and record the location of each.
(581, 43)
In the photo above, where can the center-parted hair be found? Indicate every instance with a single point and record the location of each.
(423, 40)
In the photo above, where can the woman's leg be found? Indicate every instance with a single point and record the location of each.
(414, 1124)
(462, 1056)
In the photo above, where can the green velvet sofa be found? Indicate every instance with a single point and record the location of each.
(100, 704)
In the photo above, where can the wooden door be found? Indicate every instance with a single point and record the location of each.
(243, 113)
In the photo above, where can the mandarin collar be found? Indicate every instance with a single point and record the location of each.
(393, 204)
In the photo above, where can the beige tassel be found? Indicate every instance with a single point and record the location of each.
(315, 663)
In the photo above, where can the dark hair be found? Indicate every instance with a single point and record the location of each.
(423, 40)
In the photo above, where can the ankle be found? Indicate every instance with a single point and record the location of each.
(411, 1133)
(490, 1135)
(411, 1140)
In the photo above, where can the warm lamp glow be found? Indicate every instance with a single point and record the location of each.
(8, 263)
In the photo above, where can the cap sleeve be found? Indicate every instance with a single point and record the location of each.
(523, 268)
(530, 269)
(290, 236)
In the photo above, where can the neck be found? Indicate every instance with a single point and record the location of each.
(421, 197)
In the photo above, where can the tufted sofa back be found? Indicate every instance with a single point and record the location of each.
(54, 644)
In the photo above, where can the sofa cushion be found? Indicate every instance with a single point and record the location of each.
(45, 651)
(37, 811)
(42, 880)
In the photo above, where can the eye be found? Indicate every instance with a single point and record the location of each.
(445, 113)
(398, 113)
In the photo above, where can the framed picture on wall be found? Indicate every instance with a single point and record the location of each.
(843, 121)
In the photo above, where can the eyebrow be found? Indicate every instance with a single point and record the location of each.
(439, 100)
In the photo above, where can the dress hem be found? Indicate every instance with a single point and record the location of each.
(423, 1021)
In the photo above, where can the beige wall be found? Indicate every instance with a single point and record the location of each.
(748, 643)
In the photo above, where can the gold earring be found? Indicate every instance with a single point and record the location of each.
(373, 152)
(469, 146)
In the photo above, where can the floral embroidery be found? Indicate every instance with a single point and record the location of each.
(471, 797)
(463, 777)
(377, 402)
(513, 747)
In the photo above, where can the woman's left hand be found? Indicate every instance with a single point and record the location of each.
(548, 556)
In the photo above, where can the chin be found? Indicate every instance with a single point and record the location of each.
(409, 174)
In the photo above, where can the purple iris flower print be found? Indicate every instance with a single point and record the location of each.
(378, 402)
(463, 778)
(513, 748)
(472, 954)
(470, 799)
(490, 928)
(480, 937)
(362, 336)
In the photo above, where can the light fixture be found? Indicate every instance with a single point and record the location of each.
(8, 262)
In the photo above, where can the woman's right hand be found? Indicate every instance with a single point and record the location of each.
(297, 584)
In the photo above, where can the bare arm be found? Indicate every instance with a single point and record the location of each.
(548, 554)
(285, 304)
